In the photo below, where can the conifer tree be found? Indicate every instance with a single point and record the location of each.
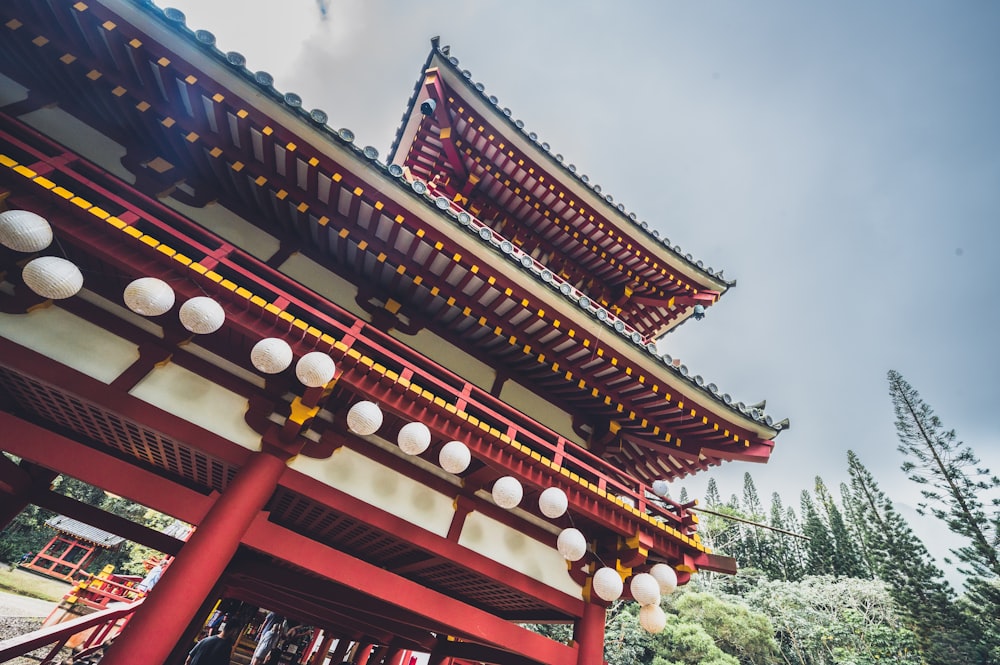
(712, 498)
(857, 530)
(944, 633)
(683, 497)
(756, 541)
(820, 548)
(797, 545)
(953, 483)
(784, 552)
(845, 556)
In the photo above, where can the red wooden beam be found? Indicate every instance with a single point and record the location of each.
(120, 477)
(453, 616)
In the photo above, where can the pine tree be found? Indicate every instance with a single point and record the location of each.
(683, 497)
(820, 548)
(785, 560)
(857, 530)
(845, 556)
(954, 483)
(796, 545)
(901, 560)
(712, 498)
(756, 542)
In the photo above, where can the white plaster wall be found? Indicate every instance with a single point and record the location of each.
(72, 341)
(381, 487)
(324, 282)
(519, 552)
(80, 138)
(409, 500)
(197, 400)
(232, 227)
(449, 356)
(545, 412)
(11, 92)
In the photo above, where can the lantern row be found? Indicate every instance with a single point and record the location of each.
(57, 278)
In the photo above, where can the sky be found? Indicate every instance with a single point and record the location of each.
(841, 161)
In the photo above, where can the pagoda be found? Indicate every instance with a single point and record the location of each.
(413, 401)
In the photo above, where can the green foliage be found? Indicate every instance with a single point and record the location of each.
(684, 643)
(824, 620)
(845, 556)
(956, 490)
(820, 549)
(27, 532)
(625, 642)
(746, 635)
(926, 601)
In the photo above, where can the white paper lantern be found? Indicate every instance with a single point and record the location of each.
(645, 589)
(271, 355)
(571, 544)
(507, 492)
(608, 584)
(414, 438)
(149, 296)
(202, 315)
(661, 487)
(364, 418)
(24, 231)
(315, 369)
(665, 576)
(652, 618)
(454, 457)
(52, 277)
(553, 502)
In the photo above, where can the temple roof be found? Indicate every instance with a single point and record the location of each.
(614, 372)
(441, 56)
(82, 531)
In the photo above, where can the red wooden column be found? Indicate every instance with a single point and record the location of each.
(362, 653)
(19, 483)
(588, 633)
(340, 652)
(323, 651)
(157, 626)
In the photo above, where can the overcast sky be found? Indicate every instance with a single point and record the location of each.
(840, 160)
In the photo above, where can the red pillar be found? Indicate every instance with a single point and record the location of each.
(19, 484)
(340, 652)
(362, 653)
(157, 626)
(588, 633)
(323, 651)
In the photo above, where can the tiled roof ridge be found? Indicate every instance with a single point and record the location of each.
(345, 137)
(84, 531)
(557, 158)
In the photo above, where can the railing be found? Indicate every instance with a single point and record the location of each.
(328, 316)
(98, 592)
(103, 625)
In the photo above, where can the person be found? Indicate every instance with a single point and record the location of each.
(214, 649)
(25, 558)
(268, 639)
(152, 577)
(215, 622)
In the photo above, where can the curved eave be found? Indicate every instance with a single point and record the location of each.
(531, 148)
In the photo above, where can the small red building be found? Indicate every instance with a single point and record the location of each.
(413, 401)
(72, 548)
